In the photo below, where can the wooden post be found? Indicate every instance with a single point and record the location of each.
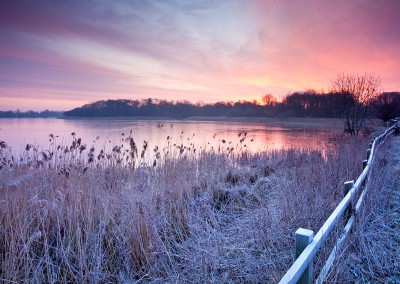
(368, 153)
(365, 164)
(348, 185)
(303, 238)
(392, 122)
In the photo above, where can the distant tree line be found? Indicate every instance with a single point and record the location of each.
(30, 114)
(309, 103)
(163, 108)
(387, 105)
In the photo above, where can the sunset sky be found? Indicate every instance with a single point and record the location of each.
(58, 55)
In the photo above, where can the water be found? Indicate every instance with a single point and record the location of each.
(258, 135)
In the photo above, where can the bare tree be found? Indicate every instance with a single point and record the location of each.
(357, 92)
(268, 100)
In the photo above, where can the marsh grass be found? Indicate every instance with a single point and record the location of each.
(80, 214)
(372, 253)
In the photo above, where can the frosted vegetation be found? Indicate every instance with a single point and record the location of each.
(77, 214)
(372, 254)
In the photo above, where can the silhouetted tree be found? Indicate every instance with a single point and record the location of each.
(356, 95)
(387, 105)
(268, 100)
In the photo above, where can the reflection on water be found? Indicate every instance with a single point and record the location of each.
(254, 136)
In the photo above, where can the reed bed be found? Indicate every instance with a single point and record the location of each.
(79, 214)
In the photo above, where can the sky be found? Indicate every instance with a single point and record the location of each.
(58, 55)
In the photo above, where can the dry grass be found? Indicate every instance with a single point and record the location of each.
(75, 215)
(372, 253)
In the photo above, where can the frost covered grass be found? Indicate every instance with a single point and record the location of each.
(78, 214)
(372, 253)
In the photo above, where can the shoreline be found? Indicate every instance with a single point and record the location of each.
(289, 122)
(309, 122)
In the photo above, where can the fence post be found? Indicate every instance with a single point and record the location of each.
(303, 238)
(365, 164)
(368, 153)
(392, 122)
(348, 185)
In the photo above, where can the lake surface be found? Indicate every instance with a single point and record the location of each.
(254, 135)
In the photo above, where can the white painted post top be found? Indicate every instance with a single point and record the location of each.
(305, 232)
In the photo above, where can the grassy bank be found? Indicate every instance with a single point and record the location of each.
(372, 253)
(70, 215)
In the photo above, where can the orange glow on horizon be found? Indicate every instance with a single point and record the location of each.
(63, 60)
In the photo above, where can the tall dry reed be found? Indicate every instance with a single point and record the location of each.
(82, 215)
(372, 252)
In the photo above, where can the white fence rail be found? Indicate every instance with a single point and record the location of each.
(307, 245)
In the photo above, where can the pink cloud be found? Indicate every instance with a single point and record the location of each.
(207, 51)
(314, 40)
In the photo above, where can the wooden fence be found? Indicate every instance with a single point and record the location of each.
(307, 245)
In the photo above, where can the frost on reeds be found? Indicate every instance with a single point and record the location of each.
(82, 214)
(372, 254)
